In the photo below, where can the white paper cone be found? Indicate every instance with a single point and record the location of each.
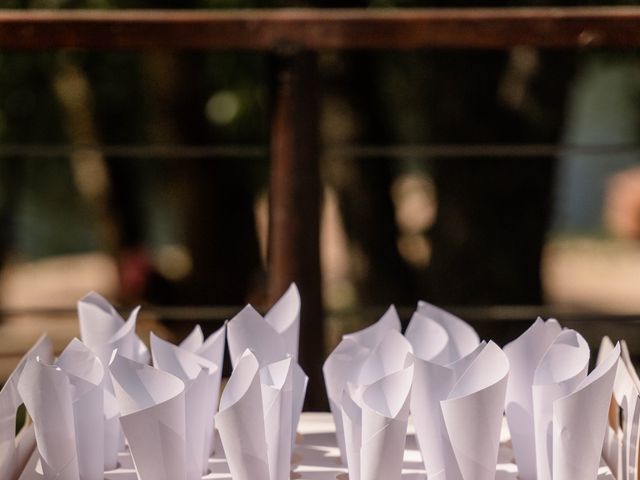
(371, 336)
(152, 405)
(389, 356)
(240, 422)
(201, 391)
(579, 423)
(213, 350)
(463, 338)
(284, 317)
(248, 330)
(46, 392)
(385, 415)
(277, 396)
(525, 353)
(342, 366)
(86, 376)
(13, 453)
(472, 415)
(352, 427)
(562, 368)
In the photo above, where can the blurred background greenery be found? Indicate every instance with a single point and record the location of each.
(170, 229)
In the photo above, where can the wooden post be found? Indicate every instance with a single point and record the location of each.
(294, 213)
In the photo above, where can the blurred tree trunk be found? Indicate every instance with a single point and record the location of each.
(363, 186)
(365, 199)
(113, 112)
(163, 96)
(216, 196)
(29, 114)
(493, 213)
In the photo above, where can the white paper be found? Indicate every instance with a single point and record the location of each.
(284, 317)
(463, 339)
(375, 425)
(525, 354)
(472, 416)
(86, 377)
(152, 406)
(240, 422)
(344, 362)
(388, 357)
(444, 347)
(300, 382)
(249, 330)
(623, 431)
(271, 338)
(429, 340)
(371, 336)
(255, 421)
(213, 350)
(316, 457)
(46, 392)
(626, 359)
(432, 383)
(560, 371)
(14, 452)
(615, 439)
(194, 340)
(351, 416)
(103, 329)
(579, 423)
(113, 436)
(277, 396)
(202, 386)
(65, 403)
(342, 366)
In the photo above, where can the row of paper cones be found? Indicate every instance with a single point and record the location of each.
(457, 389)
(100, 397)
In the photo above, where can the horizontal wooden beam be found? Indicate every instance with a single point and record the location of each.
(320, 29)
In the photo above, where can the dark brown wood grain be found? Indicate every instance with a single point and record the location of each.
(294, 206)
(317, 29)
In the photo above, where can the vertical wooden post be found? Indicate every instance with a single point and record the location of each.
(294, 214)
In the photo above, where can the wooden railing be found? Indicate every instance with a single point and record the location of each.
(314, 29)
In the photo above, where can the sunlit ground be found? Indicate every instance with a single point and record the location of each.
(595, 274)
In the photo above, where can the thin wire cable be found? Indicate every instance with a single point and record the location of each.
(482, 151)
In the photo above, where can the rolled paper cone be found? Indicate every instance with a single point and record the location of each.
(200, 377)
(86, 377)
(46, 392)
(240, 422)
(277, 396)
(385, 415)
(152, 406)
(284, 317)
(472, 415)
(525, 354)
(562, 368)
(13, 452)
(579, 423)
(211, 349)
